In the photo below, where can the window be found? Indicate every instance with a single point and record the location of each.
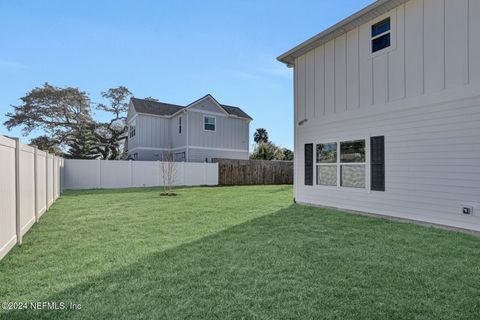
(352, 164)
(180, 157)
(179, 125)
(381, 35)
(209, 123)
(327, 164)
(132, 131)
(309, 164)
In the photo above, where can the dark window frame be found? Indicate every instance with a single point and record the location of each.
(381, 35)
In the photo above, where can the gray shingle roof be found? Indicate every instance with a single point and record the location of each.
(154, 107)
(236, 111)
(167, 109)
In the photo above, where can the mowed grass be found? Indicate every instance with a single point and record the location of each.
(235, 252)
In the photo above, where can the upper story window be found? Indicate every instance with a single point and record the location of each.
(381, 35)
(132, 130)
(179, 125)
(209, 123)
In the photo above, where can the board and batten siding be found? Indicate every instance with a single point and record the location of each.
(230, 133)
(423, 95)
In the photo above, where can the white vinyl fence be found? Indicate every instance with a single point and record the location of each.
(30, 181)
(87, 174)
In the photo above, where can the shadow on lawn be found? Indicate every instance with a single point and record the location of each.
(298, 262)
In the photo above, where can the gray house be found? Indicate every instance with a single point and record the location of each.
(198, 132)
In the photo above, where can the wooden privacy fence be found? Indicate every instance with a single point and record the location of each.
(240, 172)
(87, 174)
(30, 181)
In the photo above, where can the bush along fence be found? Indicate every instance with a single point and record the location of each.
(242, 172)
(88, 174)
(30, 181)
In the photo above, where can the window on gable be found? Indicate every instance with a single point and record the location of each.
(209, 123)
(381, 35)
(179, 125)
(132, 131)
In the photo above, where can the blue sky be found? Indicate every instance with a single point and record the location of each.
(176, 51)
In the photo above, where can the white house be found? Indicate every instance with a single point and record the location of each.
(387, 112)
(198, 132)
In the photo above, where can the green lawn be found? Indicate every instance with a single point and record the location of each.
(235, 252)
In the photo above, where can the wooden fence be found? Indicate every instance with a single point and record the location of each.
(30, 181)
(242, 172)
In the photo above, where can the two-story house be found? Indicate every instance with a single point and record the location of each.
(198, 132)
(387, 112)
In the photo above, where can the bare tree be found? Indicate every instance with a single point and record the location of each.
(169, 172)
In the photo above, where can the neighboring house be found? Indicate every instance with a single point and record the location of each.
(387, 112)
(198, 132)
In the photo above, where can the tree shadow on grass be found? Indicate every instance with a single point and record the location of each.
(298, 262)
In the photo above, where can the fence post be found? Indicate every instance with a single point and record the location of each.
(130, 172)
(54, 179)
(17, 191)
(35, 179)
(46, 180)
(99, 173)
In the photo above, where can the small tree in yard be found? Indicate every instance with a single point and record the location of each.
(169, 173)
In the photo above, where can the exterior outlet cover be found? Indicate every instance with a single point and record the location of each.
(467, 209)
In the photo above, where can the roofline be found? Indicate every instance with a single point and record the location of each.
(184, 109)
(190, 105)
(368, 13)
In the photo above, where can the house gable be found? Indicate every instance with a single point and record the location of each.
(207, 104)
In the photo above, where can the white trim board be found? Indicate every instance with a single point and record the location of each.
(189, 147)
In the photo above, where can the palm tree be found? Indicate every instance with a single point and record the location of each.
(261, 135)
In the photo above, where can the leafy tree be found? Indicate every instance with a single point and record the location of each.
(151, 99)
(260, 135)
(46, 144)
(266, 151)
(112, 135)
(84, 144)
(56, 111)
(287, 154)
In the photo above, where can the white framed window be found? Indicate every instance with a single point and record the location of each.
(179, 125)
(352, 164)
(382, 34)
(341, 164)
(326, 160)
(132, 130)
(209, 123)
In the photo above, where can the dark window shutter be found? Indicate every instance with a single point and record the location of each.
(377, 147)
(309, 164)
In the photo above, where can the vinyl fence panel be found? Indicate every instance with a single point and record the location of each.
(49, 180)
(87, 174)
(41, 182)
(27, 187)
(8, 235)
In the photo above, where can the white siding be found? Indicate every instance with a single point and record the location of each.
(432, 162)
(422, 94)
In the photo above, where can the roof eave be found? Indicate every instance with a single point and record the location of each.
(366, 14)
